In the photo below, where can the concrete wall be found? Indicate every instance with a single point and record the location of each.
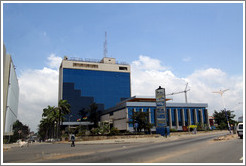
(119, 119)
(92, 66)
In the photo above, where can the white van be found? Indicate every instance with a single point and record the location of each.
(240, 130)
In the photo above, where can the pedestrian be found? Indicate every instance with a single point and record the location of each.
(72, 139)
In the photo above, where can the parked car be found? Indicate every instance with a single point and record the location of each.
(240, 130)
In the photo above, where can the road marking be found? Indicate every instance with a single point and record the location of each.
(241, 158)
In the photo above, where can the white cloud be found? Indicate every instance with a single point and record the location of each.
(147, 63)
(146, 78)
(38, 89)
(54, 61)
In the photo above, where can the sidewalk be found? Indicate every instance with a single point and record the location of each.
(173, 136)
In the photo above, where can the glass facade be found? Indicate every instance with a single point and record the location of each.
(83, 87)
(186, 116)
(192, 116)
(12, 100)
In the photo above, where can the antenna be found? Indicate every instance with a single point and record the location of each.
(105, 46)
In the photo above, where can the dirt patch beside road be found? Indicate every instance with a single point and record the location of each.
(226, 137)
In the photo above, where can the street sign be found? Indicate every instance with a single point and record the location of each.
(160, 106)
(161, 113)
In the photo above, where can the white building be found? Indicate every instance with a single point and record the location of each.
(10, 94)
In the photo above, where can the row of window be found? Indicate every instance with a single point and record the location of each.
(199, 114)
(93, 66)
(84, 65)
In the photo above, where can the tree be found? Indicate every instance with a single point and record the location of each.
(20, 131)
(51, 116)
(64, 109)
(221, 120)
(140, 120)
(94, 114)
(43, 129)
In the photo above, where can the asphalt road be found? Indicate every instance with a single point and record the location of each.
(199, 149)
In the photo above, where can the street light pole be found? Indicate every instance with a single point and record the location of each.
(56, 133)
(221, 92)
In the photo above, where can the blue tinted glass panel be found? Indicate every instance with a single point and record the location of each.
(130, 113)
(167, 117)
(204, 116)
(107, 88)
(186, 117)
(179, 117)
(152, 110)
(173, 116)
(198, 115)
(192, 116)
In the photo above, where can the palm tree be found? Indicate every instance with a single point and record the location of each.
(44, 128)
(51, 115)
(64, 109)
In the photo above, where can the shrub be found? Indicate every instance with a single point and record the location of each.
(95, 131)
(173, 130)
(114, 131)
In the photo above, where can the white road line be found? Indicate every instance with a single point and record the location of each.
(241, 158)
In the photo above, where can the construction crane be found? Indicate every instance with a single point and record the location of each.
(185, 91)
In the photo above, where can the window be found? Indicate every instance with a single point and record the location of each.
(85, 65)
(122, 68)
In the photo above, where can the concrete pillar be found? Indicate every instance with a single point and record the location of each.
(177, 118)
(149, 111)
(189, 117)
(201, 116)
(195, 116)
(183, 117)
(170, 118)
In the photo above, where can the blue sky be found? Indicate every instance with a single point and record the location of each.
(193, 36)
(165, 44)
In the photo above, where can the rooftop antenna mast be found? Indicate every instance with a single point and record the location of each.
(105, 46)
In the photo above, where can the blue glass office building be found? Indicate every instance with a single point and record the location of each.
(83, 82)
